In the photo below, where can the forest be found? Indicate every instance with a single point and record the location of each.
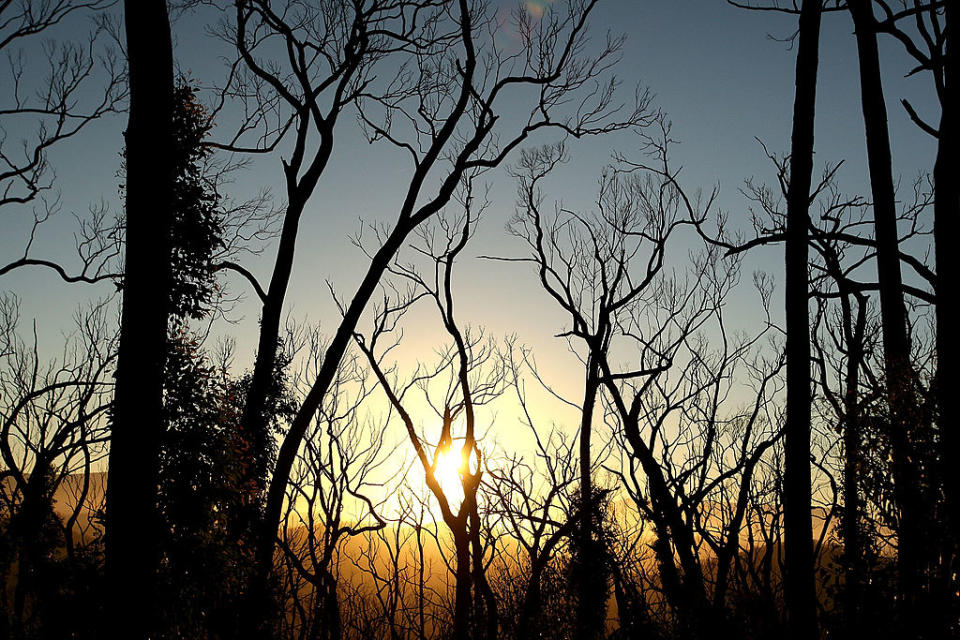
(423, 319)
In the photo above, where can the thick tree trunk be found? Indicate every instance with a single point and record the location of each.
(421, 585)
(34, 510)
(461, 605)
(332, 623)
(946, 227)
(799, 591)
(901, 395)
(532, 599)
(132, 544)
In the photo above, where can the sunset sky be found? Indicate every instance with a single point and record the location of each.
(719, 72)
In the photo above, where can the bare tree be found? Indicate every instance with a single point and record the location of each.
(838, 340)
(472, 383)
(328, 502)
(899, 372)
(839, 371)
(397, 590)
(442, 110)
(537, 504)
(903, 388)
(51, 94)
(56, 101)
(689, 458)
(330, 50)
(924, 30)
(582, 262)
(53, 432)
(608, 271)
(841, 238)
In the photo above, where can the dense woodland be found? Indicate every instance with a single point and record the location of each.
(791, 478)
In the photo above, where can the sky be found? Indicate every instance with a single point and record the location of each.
(721, 74)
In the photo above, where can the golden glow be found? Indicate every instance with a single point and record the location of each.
(447, 473)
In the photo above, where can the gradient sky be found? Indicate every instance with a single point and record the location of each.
(714, 69)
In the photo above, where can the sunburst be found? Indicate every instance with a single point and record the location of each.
(448, 470)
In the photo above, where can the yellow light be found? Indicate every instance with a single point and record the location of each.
(447, 474)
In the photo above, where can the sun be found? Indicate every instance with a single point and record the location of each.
(447, 473)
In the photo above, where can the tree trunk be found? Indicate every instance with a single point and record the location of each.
(587, 598)
(257, 608)
(530, 609)
(421, 586)
(286, 456)
(900, 389)
(675, 541)
(331, 608)
(132, 540)
(34, 511)
(852, 545)
(461, 606)
(254, 418)
(486, 598)
(945, 228)
(799, 590)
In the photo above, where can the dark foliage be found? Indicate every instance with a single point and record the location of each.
(199, 478)
(197, 221)
(203, 490)
(588, 569)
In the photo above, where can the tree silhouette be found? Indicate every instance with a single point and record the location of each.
(799, 590)
(697, 459)
(133, 539)
(465, 98)
(934, 49)
(470, 386)
(52, 431)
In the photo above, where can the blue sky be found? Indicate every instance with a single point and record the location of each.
(714, 69)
